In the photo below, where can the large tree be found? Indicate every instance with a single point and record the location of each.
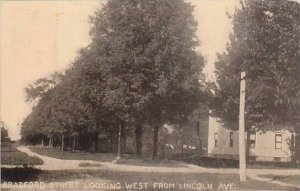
(146, 52)
(266, 44)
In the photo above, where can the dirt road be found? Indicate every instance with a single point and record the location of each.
(60, 164)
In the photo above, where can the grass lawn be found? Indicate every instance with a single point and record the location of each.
(204, 180)
(104, 157)
(152, 163)
(56, 153)
(11, 156)
(273, 165)
(291, 179)
(210, 162)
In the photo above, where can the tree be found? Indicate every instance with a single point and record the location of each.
(265, 44)
(41, 86)
(4, 131)
(146, 52)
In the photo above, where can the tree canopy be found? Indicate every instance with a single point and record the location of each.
(265, 44)
(141, 67)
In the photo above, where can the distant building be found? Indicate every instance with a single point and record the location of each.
(263, 146)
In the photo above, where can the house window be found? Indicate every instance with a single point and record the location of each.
(252, 141)
(231, 139)
(278, 141)
(216, 139)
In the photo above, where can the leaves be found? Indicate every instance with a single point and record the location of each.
(140, 68)
(265, 44)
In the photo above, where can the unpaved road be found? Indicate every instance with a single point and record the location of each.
(60, 164)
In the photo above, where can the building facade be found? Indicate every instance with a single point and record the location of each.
(261, 146)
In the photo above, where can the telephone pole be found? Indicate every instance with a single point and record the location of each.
(242, 146)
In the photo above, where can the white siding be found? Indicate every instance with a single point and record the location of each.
(223, 142)
(264, 146)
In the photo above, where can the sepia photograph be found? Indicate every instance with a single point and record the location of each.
(150, 95)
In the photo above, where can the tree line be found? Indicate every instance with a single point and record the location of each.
(142, 70)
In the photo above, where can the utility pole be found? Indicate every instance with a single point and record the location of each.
(242, 146)
(119, 143)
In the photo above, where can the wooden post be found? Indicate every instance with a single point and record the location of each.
(242, 146)
(119, 143)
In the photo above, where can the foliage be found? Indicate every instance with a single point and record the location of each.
(265, 44)
(147, 58)
(4, 133)
(140, 68)
(40, 87)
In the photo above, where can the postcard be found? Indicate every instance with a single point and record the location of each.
(160, 95)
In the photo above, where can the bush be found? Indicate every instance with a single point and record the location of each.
(218, 162)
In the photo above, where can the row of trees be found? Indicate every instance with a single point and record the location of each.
(142, 68)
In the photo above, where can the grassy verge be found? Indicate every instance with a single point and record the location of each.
(152, 163)
(102, 157)
(150, 178)
(289, 179)
(56, 153)
(11, 156)
(272, 165)
(210, 162)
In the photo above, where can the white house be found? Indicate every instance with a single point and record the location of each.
(263, 146)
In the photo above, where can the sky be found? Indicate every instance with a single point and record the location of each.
(40, 37)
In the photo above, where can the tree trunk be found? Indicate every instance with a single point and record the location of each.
(199, 147)
(139, 141)
(155, 142)
(182, 141)
(62, 143)
(69, 143)
(297, 145)
(50, 142)
(81, 141)
(199, 143)
(96, 141)
(42, 141)
(84, 142)
(292, 148)
(74, 143)
(119, 143)
(123, 138)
